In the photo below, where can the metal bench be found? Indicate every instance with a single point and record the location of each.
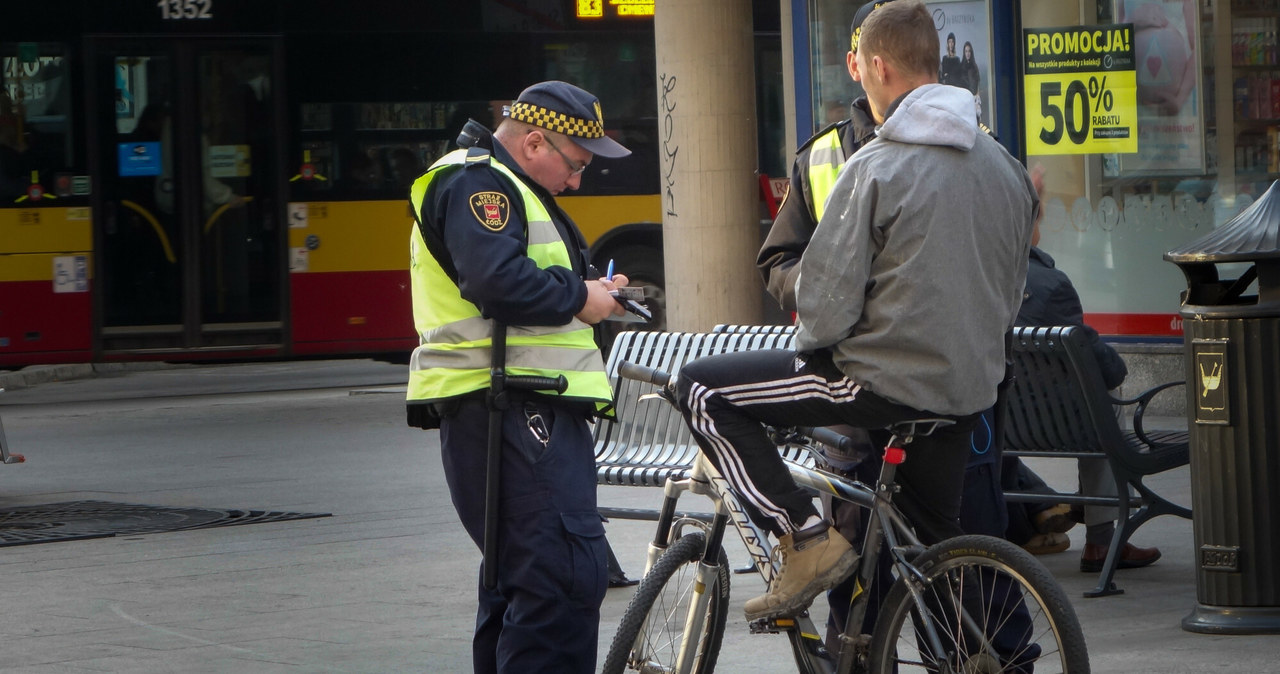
(1058, 407)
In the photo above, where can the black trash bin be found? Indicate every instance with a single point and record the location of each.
(1233, 392)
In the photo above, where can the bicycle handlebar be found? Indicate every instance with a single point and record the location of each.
(643, 373)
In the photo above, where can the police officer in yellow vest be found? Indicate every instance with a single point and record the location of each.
(491, 245)
(813, 174)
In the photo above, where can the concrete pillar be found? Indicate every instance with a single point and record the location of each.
(788, 79)
(707, 149)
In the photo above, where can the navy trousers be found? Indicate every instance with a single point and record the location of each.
(544, 614)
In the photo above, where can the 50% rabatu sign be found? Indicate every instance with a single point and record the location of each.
(1081, 90)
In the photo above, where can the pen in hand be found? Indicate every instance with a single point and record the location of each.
(609, 271)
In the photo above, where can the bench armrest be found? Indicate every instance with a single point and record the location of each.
(1143, 399)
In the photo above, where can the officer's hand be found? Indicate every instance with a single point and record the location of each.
(618, 281)
(600, 304)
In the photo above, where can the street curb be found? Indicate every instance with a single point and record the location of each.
(33, 375)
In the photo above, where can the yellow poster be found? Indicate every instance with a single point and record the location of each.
(1081, 90)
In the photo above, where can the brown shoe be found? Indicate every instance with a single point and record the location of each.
(1131, 557)
(1054, 520)
(1045, 544)
(813, 560)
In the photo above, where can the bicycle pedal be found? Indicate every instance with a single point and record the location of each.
(765, 626)
(773, 625)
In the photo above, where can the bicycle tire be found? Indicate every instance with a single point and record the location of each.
(660, 605)
(995, 575)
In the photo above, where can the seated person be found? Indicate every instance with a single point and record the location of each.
(1051, 299)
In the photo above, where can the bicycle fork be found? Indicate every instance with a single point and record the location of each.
(703, 586)
(669, 528)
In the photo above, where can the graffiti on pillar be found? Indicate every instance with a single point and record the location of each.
(669, 148)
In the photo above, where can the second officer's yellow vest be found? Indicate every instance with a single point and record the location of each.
(826, 156)
(452, 358)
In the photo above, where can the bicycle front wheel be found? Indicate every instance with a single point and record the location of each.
(993, 607)
(651, 633)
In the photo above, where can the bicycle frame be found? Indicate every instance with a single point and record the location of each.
(887, 530)
(885, 525)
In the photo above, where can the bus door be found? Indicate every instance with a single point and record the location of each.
(191, 248)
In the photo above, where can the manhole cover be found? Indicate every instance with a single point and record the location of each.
(76, 520)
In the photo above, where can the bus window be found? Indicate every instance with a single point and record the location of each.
(36, 143)
(374, 150)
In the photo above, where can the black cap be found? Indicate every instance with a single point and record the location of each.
(572, 111)
(855, 30)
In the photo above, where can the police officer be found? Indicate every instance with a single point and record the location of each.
(491, 247)
(812, 175)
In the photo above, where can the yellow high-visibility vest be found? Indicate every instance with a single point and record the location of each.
(455, 341)
(826, 156)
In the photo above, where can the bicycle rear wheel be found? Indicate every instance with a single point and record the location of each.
(994, 607)
(652, 628)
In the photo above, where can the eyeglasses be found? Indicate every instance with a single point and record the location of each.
(573, 170)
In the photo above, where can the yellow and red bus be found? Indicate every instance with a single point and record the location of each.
(227, 179)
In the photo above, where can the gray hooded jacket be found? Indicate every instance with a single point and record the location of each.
(916, 270)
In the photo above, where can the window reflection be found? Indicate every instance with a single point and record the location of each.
(35, 125)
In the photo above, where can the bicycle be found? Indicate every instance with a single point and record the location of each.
(947, 608)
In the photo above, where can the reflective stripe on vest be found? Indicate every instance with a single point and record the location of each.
(826, 156)
(453, 356)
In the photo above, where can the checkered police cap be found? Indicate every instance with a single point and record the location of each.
(855, 31)
(566, 109)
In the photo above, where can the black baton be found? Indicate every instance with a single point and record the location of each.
(497, 402)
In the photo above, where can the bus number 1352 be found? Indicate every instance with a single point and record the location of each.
(185, 9)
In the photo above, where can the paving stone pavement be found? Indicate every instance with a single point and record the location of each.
(387, 583)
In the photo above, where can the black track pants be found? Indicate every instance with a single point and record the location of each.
(725, 398)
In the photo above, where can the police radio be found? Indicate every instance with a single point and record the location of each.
(471, 134)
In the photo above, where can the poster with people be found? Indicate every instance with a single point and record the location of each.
(964, 40)
(1171, 128)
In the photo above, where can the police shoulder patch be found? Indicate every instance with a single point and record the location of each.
(492, 209)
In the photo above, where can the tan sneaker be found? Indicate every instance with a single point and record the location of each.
(813, 560)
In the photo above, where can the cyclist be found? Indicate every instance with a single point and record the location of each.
(902, 304)
(814, 172)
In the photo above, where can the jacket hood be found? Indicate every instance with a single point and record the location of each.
(934, 114)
